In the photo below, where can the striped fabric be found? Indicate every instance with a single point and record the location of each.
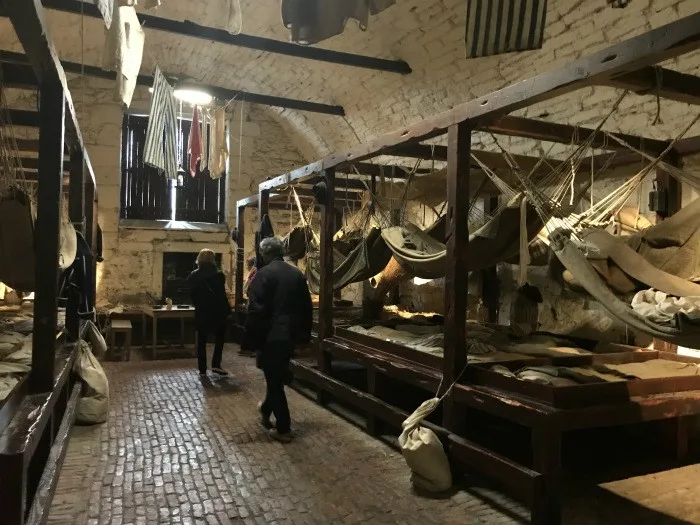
(160, 151)
(495, 27)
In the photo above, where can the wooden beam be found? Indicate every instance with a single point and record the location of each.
(23, 117)
(27, 145)
(27, 17)
(457, 235)
(32, 163)
(19, 75)
(221, 36)
(253, 199)
(240, 253)
(325, 299)
(76, 212)
(665, 83)
(263, 204)
(565, 134)
(669, 41)
(49, 197)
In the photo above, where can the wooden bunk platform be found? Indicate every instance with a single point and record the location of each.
(37, 416)
(385, 383)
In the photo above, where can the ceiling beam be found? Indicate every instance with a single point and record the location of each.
(23, 117)
(565, 134)
(666, 42)
(17, 74)
(663, 82)
(220, 36)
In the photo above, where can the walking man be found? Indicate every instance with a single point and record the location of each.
(279, 318)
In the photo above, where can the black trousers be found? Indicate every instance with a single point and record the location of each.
(203, 332)
(276, 370)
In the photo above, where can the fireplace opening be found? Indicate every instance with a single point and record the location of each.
(177, 266)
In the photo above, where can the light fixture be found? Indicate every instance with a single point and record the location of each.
(180, 177)
(418, 281)
(193, 95)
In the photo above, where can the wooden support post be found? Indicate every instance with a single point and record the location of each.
(91, 230)
(457, 235)
(76, 212)
(263, 204)
(546, 459)
(325, 299)
(49, 197)
(338, 294)
(395, 292)
(368, 306)
(490, 286)
(240, 254)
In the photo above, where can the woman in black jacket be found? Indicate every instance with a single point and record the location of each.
(211, 308)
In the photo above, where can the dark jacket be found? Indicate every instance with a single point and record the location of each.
(280, 313)
(208, 293)
(76, 280)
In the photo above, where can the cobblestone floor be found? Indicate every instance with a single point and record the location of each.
(179, 450)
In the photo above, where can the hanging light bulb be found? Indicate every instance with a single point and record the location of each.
(180, 177)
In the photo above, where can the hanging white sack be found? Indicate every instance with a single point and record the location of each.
(423, 451)
(93, 406)
(97, 341)
(124, 51)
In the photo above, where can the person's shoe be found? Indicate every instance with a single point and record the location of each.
(282, 437)
(202, 373)
(264, 420)
(219, 371)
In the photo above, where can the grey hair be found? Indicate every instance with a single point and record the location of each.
(271, 248)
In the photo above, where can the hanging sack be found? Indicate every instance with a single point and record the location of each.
(93, 406)
(97, 341)
(423, 451)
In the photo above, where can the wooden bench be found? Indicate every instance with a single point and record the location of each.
(119, 326)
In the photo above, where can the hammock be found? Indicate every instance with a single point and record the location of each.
(422, 255)
(684, 332)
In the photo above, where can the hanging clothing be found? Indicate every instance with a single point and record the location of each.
(194, 148)
(106, 8)
(124, 51)
(77, 280)
(218, 149)
(146, 4)
(204, 121)
(158, 153)
(506, 26)
(234, 24)
(312, 21)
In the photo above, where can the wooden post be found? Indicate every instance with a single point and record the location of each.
(240, 254)
(546, 459)
(490, 287)
(457, 234)
(76, 212)
(263, 204)
(338, 294)
(49, 197)
(395, 292)
(325, 299)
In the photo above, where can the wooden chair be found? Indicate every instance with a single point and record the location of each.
(123, 352)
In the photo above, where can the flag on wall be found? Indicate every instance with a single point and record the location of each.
(495, 27)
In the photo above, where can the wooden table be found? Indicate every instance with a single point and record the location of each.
(158, 313)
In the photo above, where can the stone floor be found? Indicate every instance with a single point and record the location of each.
(178, 449)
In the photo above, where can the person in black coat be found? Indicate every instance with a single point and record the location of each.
(211, 308)
(279, 319)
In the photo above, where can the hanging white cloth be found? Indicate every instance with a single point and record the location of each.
(218, 149)
(146, 4)
(124, 51)
(105, 7)
(234, 24)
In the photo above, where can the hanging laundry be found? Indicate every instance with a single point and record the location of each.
(124, 51)
(204, 122)
(76, 280)
(218, 149)
(105, 7)
(146, 4)
(312, 21)
(234, 24)
(504, 26)
(194, 147)
(162, 117)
